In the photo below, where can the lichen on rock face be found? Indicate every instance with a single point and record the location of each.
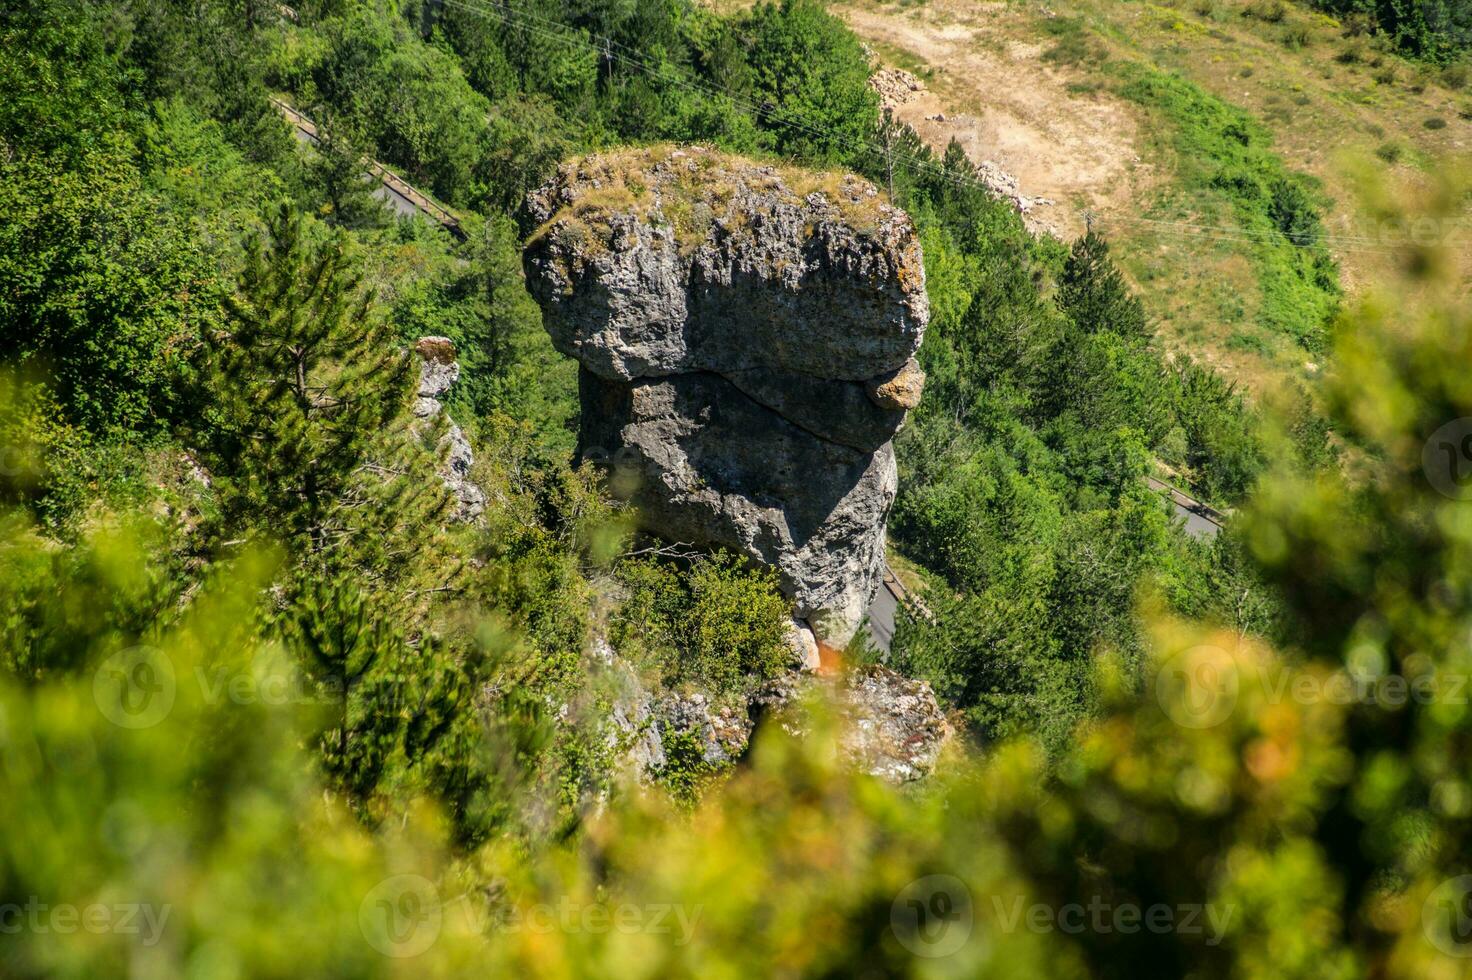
(438, 372)
(746, 334)
(890, 726)
(663, 261)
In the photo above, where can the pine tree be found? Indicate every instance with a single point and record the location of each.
(312, 443)
(902, 155)
(305, 377)
(1094, 294)
(339, 165)
(315, 446)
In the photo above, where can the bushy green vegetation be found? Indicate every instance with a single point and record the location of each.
(1023, 471)
(252, 674)
(1224, 155)
(1306, 835)
(1435, 30)
(713, 624)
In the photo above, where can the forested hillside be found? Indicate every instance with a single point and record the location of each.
(271, 677)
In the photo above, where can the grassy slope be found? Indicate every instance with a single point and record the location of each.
(1314, 99)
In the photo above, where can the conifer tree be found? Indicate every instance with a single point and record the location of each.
(313, 444)
(339, 166)
(315, 447)
(1093, 293)
(304, 377)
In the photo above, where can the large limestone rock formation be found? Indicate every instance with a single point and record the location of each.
(747, 337)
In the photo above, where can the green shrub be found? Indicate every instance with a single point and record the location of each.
(1269, 11)
(1071, 44)
(1294, 213)
(104, 289)
(1225, 153)
(1436, 31)
(1295, 38)
(717, 622)
(814, 74)
(686, 774)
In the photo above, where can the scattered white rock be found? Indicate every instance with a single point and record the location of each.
(895, 87)
(438, 371)
(1005, 185)
(891, 726)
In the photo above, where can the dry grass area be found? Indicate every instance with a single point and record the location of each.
(693, 186)
(1036, 88)
(987, 87)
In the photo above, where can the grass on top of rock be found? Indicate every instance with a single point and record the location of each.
(691, 187)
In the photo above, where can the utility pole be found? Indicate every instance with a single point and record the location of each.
(428, 15)
(887, 131)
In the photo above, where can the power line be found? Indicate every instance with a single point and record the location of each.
(631, 57)
(611, 50)
(1261, 235)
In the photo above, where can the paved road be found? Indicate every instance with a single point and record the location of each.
(882, 613)
(892, 595)
(403, 197)
(1201, 521)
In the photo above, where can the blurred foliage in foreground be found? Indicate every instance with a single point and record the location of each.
(159, 777)
(264, 713)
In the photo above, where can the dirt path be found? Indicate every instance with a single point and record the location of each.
(1006, 105)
